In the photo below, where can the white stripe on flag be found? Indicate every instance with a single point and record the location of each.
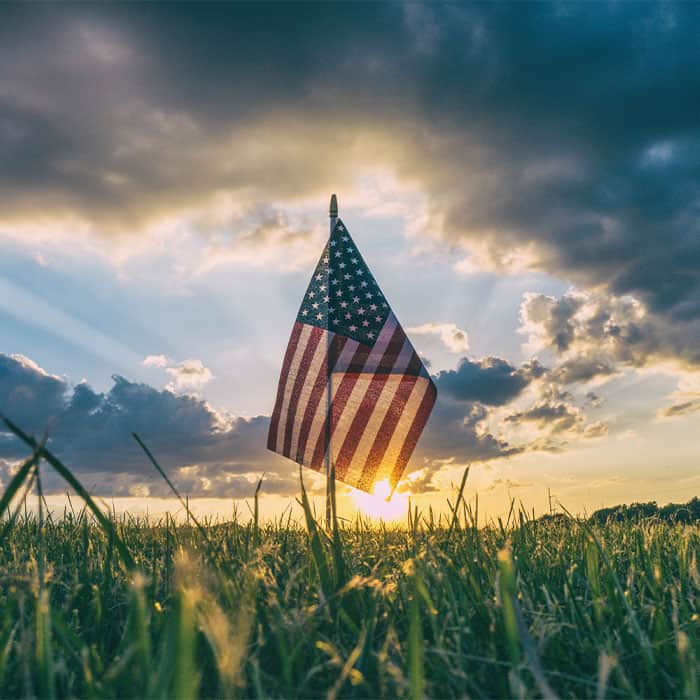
(377, 352)
(404, 356)
(345, 357)
(307, 387)
(289, 384)
(317, 425)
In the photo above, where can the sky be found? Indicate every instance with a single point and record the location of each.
(522, 179)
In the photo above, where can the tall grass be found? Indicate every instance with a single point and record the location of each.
(99, 606)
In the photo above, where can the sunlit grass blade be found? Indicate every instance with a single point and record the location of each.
(454, 521)
(44, 656)
(17, 481)
(416, 674)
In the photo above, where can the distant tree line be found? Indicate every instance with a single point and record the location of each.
(672, 512)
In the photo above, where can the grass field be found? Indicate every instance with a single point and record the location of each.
(93, 606)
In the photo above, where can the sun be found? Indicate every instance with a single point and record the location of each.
(376, 504)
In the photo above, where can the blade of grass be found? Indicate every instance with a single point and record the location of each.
(17, 481)
(415, 642)
(455, 511)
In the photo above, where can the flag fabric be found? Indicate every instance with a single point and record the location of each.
(372, 405)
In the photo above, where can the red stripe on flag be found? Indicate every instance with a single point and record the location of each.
(304, 365)
(386, 430)
(368, 403)
(288, 356)
(409, 444)
(319, 390)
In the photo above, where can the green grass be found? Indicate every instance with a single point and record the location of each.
(526, 608)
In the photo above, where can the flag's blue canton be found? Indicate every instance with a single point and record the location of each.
(343, 295)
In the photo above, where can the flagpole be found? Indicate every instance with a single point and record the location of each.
(333, 214)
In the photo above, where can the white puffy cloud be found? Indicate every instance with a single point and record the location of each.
(156, 361)
(455, 339)
(189, 375)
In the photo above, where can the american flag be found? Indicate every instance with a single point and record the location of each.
(380, 394)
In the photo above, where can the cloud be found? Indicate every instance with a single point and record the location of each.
(207, 453)
(29, 394)
(593, 399)
(508, 484)
(550, 320)
(255, 235)
(555, 417)
(582, 369)
(156, 361)
(189, 375)
(460, 428)
(595, 430)
(521, 165)
(686, 398)
(210, 453)
(92, 432)
(491, 380)
(595, 334)
(455, 339)
(457, 433)
(590, 178)
(683, 408)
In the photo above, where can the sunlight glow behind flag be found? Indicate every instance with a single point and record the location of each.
(381, 395)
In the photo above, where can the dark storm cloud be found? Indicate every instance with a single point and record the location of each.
(458, 430)
(490, 380)
(118, 113)
(205, 453)
(33, 396)
(92, 433)
(568, 131)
